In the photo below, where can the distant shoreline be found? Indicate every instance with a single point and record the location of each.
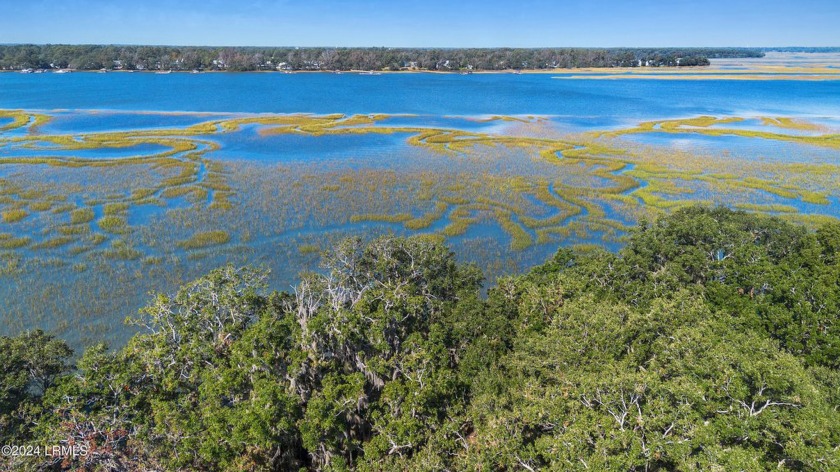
(374, 72)
(653, 73)
(774, 66)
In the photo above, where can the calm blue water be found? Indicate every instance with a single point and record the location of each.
(437, 94)
(247, 144)
(76, 123)
(97, 153)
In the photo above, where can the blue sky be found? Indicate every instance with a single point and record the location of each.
(430, 23)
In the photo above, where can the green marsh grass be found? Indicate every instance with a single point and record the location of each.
(55, 242)
(68, 230)
(40, 206)
(13, 216)
(116, 209)
(82, 215)
(9, 241)
(305, 249)
(538, 185)
(206, 239)
(112, 224)
(121, 250)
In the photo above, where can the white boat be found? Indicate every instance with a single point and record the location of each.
(62, 71)
(164, 71)
(26, 71)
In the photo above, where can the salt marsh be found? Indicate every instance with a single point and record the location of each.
(103, 201)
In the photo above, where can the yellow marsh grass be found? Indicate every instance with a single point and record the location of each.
(10, 241)
(82, 215)
(703, 125)
(205, 239)
(308, 249)
(13, 216)
(184, 153)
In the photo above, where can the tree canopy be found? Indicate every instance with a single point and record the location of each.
(709, 342)
(95, 57)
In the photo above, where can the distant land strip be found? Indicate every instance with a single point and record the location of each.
(26, 57)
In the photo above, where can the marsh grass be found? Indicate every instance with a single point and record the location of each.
(53, 243)
(63, 208)
(767, 208)
(14, 215)
(505, 197)
(97, 238)
(790, 123)
(703, 125)
(121, 250)
(116, 209)
(82, 215)
(40, 206)
(73, 229)
(429, 218)
(112, 224)
(206, 239)
(305, 249)
(9, 241)
(398, 218)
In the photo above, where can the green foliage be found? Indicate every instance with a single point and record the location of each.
(707, 343)
(29, 366)
(672, 387)
(95, 57)
(780, 278)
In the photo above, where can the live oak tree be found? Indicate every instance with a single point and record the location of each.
(709, 342)
(29, 366)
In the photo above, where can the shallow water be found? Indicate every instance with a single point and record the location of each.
(72, 122)
(44, 149)
(278, 195)
(739, 147)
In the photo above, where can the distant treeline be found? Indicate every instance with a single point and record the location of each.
(803, 49)
(94, 57)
